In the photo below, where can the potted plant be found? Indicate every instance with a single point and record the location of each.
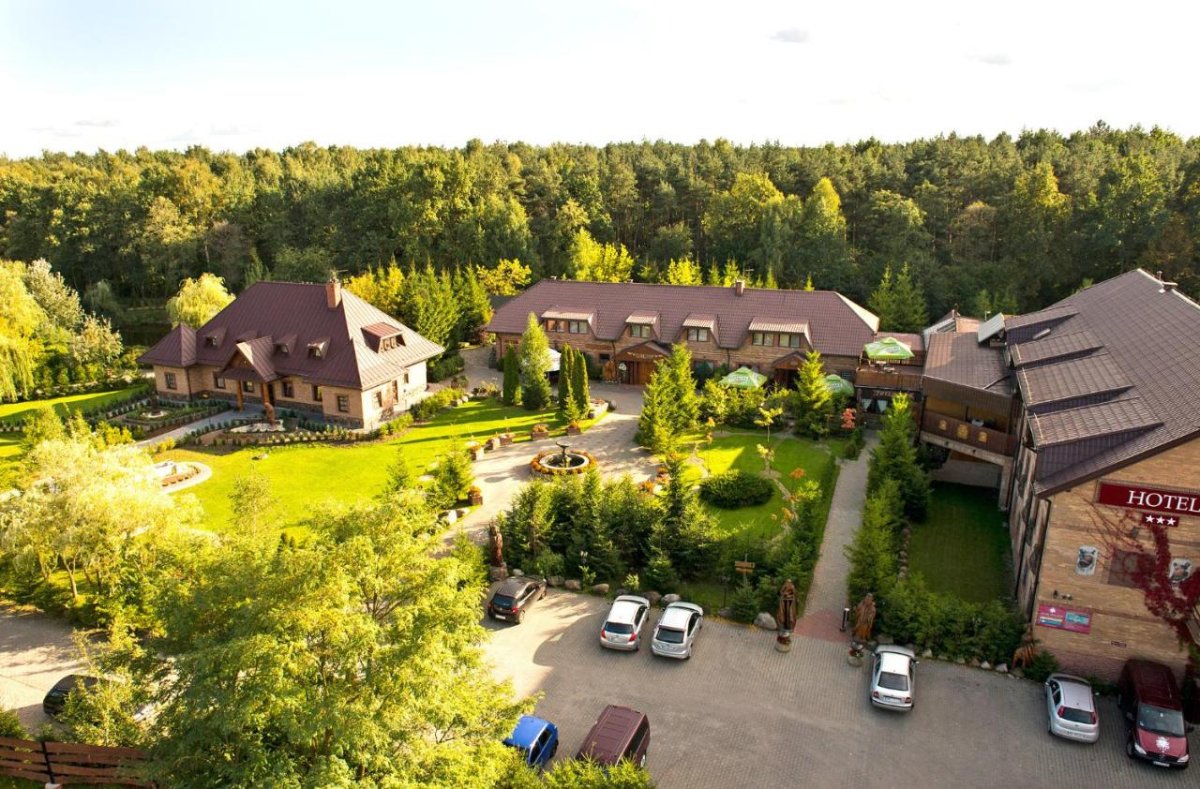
(475, 496)
(540, 430)
(573, 429)
(493, 443)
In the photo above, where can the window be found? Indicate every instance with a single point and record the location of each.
(210, 342)
(344, 403)
(218, 382)
(406, 376)
(281, 348)
(1127, 567)
(169, 378)
(640, 330)
(577, 327)
(289, 390)
(379, 399)
(316, 394)
(604, 357)
(762, 338)
(248, 387)
(789, 340)
(697, 335)
(314, 351)
(551, 324)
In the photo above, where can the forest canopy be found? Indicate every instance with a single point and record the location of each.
(985, 225)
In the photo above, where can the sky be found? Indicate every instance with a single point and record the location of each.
(111, 74)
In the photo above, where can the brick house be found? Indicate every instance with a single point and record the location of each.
(307, 347)
(629, 327)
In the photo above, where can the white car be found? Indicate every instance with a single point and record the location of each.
(676, 630)
(893, 675)
(1071, 708)
(624, 623)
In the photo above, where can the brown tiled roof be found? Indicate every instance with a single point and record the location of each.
(1053, 313)
(177, 349)
(839, 327)
(1135, 394)
(283, 309)
(258, 353)
(1069, 379)
(1055, 346)
(915, 342)
(960, 359)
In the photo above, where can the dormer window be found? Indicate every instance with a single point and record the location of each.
(642, 330)
(281, 348)
(314, 351)
(211, 342)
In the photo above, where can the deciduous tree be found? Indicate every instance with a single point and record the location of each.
(198, 301)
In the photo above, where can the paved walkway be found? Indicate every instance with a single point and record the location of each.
(249, 412)
(827, 597)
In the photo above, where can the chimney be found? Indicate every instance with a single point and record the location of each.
(333, 292)
(739, 286)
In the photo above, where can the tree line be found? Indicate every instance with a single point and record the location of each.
(1006, 223)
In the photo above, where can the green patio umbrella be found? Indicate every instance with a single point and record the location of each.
(838, 385)
(744, 378)
(889, 349)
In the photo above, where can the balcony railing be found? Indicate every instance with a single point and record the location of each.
(906, 379)
(995, 441)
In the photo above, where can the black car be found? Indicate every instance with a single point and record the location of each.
(512, 597)
(56, 700)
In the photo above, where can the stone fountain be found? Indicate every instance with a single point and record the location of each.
(564, 460)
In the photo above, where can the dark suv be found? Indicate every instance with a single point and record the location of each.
(512, 597)
(1153, 713)
(619, 733)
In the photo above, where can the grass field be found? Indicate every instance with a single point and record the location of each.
(64, 405)
(305, 475)
(963, 548)
(739, 451)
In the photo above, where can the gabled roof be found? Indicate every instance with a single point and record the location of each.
(960, 359)
(258, 353)
(177, 349)
(299, 312)
(1113, 376)
(838, 326)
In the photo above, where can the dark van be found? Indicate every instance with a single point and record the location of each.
(619, 733)
(1153, 713)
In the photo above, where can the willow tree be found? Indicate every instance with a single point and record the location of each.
(198, 300)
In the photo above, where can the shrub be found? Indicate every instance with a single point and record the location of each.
(10, 726)
(445, 367)
(735, 489)
(660, 574)
(1042, 666)
(910, 612)
(548, 563)
(743, 606)
(632, 582)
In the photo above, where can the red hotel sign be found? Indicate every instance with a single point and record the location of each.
(1138, 497)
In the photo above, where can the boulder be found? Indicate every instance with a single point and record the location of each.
(724, 613)
(1001, 668)
(653, 597)
(945, 658)
(451, 516)
(883, 638)
(986, 666)
(515, 573)
(555, 581)
(927, 654)
(667, 599)
(960, 661)
(573, 585)
(600, 589)
(765, 621)
(974, 663)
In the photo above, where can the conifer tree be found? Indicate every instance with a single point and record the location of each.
(511, 393)
(568, 404)
(682, 389)
(579, 384)
(814, 403)
(896, 458)
(535, 363)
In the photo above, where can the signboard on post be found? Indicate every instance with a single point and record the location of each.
(745, 568)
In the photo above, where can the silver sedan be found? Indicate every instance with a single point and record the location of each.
(1071, 708)
(676, 630)
(893, 676)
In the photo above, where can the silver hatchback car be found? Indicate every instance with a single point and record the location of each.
(893, 674)
(676, 630)
(624, 623)
(1071, 708)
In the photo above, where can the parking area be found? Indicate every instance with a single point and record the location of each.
(740, 713)
(35, 652)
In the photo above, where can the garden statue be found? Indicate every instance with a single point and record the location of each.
(864, 618)
(269, 410)
(786, 616)
(496, 541)
(1026, 651)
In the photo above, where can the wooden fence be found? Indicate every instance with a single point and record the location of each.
(70, 764)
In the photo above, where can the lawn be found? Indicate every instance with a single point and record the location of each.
(64, 405)
(963, 548)
(305, 475)
(738, 450)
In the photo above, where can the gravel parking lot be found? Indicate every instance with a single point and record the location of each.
(35, 652)
(740, 713)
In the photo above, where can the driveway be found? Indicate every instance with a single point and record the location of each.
(741, 714)
(35, 652)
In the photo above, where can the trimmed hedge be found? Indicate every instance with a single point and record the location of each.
(735, 489)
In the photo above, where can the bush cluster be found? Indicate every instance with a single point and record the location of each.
(438, 401)
(946, 625)
(738, 407)
(443, 368)
(735, 489)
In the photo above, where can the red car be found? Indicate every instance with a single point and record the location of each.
(1153, 711)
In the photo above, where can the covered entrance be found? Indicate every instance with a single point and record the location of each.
(250, 366)
(637, 363)
(785, 368)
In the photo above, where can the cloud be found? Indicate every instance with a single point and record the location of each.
(793, 35)
(993, 59)
(102, 123)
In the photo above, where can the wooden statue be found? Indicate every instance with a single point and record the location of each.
(269, 410)
(1026, 652)
(864, 618)
(786, 619)
(496, 540)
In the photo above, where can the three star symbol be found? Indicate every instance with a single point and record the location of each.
(1148, 518)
